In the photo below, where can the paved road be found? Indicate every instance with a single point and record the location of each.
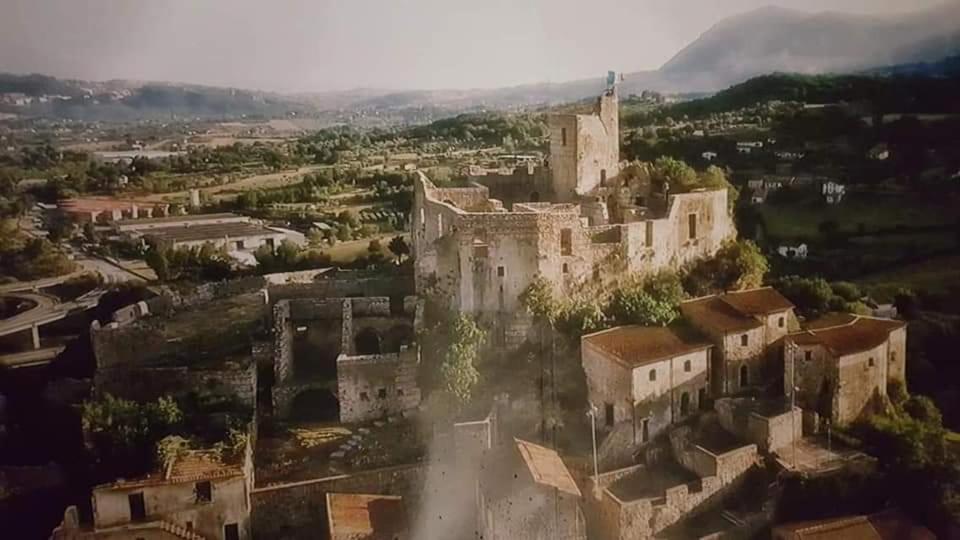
(45, 311)
(38, 283)
(30, 358)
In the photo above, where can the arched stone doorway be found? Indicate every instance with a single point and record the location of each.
(744, 376)
(315, 405)
(367, 341)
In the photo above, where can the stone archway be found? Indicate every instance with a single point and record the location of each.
(401, 334)
(367, 341)
(315, 405)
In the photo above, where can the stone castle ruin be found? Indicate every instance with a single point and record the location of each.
(581, 220)
(357, 356)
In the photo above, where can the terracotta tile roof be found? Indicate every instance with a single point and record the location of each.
(199, 464)
(371, 517)
(191, 466)
(735, 311)
(640, 345)
(546, 467)
(848, 334)
(761, 301)
(718, 316)
(886, 525)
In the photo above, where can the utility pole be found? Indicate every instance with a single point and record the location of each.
(592, 413)
(793, 402)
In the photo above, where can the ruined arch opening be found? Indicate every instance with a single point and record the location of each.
(535, 196)
(367, 341)
(396, 337)
(316, 405)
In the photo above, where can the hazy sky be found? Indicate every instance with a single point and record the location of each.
(315, 45)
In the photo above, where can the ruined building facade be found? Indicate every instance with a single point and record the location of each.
(483, 244)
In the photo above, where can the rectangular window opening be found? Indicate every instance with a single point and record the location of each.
(138, 508)
(566, 242)
(692, 220)
(203, 491)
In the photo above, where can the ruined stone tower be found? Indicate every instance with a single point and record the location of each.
(585, 148)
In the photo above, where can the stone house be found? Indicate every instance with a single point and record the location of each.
(528, 494)
(199, 495)
(352, 516)
(745, 328)
(702, 465)
(840, 366)
(480, 246)
(645, 378)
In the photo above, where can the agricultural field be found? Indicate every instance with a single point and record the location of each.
(858, 213)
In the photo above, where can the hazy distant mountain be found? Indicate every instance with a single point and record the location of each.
(762, 41)
(774, 39)
(120, 100)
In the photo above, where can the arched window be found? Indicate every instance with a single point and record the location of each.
(653, 374)
(686, 366)
(744, 376)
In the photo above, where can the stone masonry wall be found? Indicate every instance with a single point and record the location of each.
(298, 510)
(149, 383)
(369, 388)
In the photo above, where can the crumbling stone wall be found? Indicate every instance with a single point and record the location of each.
(149, 383)
(113, 345)
(309, 333)
(346, 283)
(523, 185)
(482, 261)
(377, 386)
(297, 510)
(283, 343)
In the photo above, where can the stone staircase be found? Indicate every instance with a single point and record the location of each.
(178, 531)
